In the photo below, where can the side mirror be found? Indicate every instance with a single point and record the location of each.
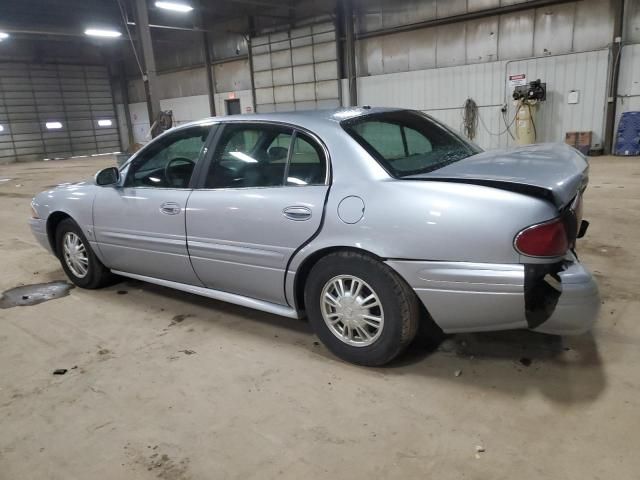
(108, 176)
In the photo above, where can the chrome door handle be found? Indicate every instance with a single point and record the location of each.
(297, 213)
(170, 208)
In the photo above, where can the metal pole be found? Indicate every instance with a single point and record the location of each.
(614, 72)
(124, 93)
(150, 78)
(350, 51)
(211, 89)
(253, 81)
(208, 68)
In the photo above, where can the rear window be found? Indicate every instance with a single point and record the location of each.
(407, 142)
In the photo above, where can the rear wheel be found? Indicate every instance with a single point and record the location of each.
(360, 308)
(78, 260)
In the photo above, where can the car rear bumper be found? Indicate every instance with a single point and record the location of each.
(475, 297)
(578, 305)
(39, 230)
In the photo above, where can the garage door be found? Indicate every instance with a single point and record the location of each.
(297, 69)
(55, 111)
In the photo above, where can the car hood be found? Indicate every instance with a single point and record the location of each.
(554, 171)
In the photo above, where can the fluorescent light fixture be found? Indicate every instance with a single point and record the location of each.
(175, 6)
(3, 35)
(1, 128)
(244, 157)
(97, 32)
(53, 125)
(105, 123)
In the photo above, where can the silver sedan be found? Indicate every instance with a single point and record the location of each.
(374, 223)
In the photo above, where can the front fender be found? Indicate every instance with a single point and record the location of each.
(72, 200)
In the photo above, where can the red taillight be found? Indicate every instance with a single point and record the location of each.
(544, 240)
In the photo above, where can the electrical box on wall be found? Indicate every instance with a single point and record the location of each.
(573, 97)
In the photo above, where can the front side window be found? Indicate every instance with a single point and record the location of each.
(408, 143)
(169, 161)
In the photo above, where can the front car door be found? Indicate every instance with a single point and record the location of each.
(261, 197)
(140, 225)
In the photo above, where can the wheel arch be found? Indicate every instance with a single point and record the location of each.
(429, 331)
(53, 220)
(302, 273)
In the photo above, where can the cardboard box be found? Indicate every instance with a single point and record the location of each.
(584, 142)
(584, 138)
(571, 138)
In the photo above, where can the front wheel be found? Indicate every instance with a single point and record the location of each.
(360, 308)
(78, 260)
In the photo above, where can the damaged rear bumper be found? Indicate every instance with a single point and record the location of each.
(475, 297)
(579, 303)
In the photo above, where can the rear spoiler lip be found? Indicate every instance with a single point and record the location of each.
(537, 191)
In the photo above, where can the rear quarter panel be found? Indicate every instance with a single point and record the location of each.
(415, 219)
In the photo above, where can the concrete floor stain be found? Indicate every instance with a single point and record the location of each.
(27, 295)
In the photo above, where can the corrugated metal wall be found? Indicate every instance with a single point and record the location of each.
(75, 96)
(441, 92)
(585, 73)
(434, 69)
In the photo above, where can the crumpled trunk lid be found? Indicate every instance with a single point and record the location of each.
(553, 171)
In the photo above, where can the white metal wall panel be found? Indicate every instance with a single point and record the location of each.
(187, 109)
(632, 21)
(442, 92)
(482, 40)
(245, 97)
(296, 69)
(76, 96)
(552, 30)
(585, 72)
(516, 35)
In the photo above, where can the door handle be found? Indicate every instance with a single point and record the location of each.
(170, 208)
(297, 213)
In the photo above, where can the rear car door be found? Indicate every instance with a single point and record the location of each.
(140, 225)
(261, 197)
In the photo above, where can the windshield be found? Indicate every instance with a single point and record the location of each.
(408, 142)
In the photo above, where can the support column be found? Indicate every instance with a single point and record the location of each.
(124, 94)
(251, 73)
(211, 83)
(150, 78)
(211, 90)
(350, 51)
(608, 143)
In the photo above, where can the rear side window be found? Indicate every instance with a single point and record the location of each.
(308, 165)
(408, 143)
(252, 155)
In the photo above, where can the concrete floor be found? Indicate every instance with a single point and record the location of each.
(174, 386)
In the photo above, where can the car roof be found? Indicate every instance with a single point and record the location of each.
(309, 119)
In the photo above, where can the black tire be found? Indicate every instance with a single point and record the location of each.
(399, 303)
(97, 275)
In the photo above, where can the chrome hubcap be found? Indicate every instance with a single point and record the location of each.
(352, 310)
(75, 254)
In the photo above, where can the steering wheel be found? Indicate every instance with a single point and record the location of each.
(171, 178)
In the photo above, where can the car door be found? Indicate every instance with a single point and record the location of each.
(139, 225)
(261, 197)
